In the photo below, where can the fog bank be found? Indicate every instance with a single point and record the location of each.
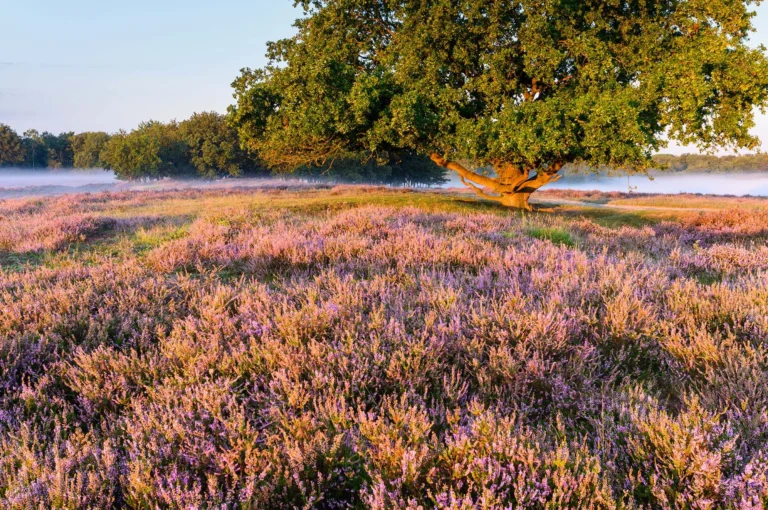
(27, 182)
(739, 184)
(26, 177)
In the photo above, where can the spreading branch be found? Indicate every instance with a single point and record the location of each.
(537, 181)
(482, 180)
(514, 185)
(479, 190)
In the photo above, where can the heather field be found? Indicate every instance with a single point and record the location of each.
(371, 348)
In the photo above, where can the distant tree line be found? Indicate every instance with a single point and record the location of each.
(701, 163)
(204, 145)
(402, 169)
(689, 163)
(34, 149)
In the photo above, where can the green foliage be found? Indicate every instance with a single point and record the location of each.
(46, 150)
(554, 235)
(212, 145)
(413, 169)
(35, 151)
(205, 145)
(407, 169)
(535, 84)
(59, 149)
(152, 150)
(131, 156)
(87, 148)
(11, 149)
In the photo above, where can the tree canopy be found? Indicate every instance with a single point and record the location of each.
(87, 148)
(35, 151)
(525, 87)
(204, 145)
(11, 148)
(152, 150)
(212, 145)
(60, 154)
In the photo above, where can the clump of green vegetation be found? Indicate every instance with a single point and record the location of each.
(555, 235)
(146, 239)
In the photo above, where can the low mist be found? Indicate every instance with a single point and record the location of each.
(20, 182)
(25, 182)
(25, 177)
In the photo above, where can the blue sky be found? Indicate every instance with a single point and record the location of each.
(86, 65)
(104, 65)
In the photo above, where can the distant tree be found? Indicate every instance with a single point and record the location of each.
(35, 151)
(415, 170)
(212, 145)
(11, 147)
(172, 149)
(87, 147)
(524, 87)
(59, 149)
(151, 151)
(131, 156)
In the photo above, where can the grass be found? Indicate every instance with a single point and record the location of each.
(145, 239)
(10, 261)
(554, 235)
(308, 202)
(612, 218)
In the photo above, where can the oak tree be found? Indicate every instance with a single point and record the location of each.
(521, 87)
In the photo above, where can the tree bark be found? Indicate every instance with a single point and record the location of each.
(512, 188)
(517, 201)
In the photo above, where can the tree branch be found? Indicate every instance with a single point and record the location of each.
(536, 87)
(523, 184)
(479, 191)
(536, 182)
(482, 180)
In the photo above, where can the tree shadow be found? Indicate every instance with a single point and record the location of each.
(102, 241)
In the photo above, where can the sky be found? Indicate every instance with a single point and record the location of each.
(96, 65)
(88, 65)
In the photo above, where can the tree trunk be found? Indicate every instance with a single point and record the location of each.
(517, 201)
(514, 185)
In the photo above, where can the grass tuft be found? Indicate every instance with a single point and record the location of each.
(552, 234)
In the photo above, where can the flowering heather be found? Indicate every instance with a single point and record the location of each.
(336, 348)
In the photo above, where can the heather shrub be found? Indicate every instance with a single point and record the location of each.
(679, 461)
(68, 470)
(380, 357)
(493, 462)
